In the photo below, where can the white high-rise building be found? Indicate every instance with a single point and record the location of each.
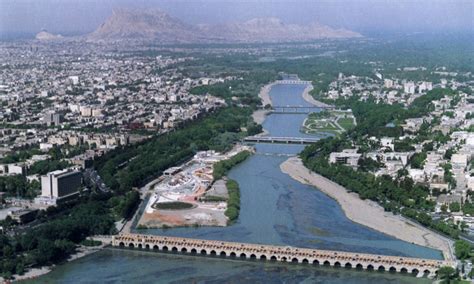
(61, 183)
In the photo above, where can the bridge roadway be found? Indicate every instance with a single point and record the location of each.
(416, 266)
(281, 140)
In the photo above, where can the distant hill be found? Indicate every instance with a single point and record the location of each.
(157, 25)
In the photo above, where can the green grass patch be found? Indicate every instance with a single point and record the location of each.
(346, 123)
(212, 198)
(175, 205)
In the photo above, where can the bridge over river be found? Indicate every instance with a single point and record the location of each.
(418, 266)
(293, 82)
(281, 140)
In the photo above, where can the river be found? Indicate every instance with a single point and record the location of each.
(275, 209)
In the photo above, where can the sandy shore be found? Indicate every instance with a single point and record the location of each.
(264, 94)
(309, 98)
(369, 213)
(259, 116)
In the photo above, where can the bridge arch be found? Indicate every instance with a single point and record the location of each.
(381, 268)
(174, 249)
(203, 252)
(155, 247)
(337, 264)
(370, 267)
(147, 246)
(233, 254)
(359, 266)
(326, 263)
(283, 259)
(164, 248)
(348, 265)
(213, 253)
(140, 246)
(316, 262)
(392, 269)
(243, 255)
(415, 271)
(193, 251)
(273, 258)
(131, 245)
(184, 250)
(263, 257)
(253, 256)
(294, 260)
(121, 245)
(403, 270)
(223, 254)
(305, 261)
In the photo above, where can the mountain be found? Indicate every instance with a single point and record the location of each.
(150, 24)
(159, 26)
(45, 35)
(274, 30)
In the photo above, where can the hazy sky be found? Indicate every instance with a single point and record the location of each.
(82, 16)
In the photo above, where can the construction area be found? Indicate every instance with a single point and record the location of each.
(188, 195)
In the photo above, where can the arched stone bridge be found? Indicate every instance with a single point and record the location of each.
(281, 253)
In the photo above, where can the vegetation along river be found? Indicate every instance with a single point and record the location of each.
(275, 209)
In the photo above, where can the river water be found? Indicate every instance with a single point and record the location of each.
(275, 209)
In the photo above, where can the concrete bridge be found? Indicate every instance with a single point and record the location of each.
(281, 140)
(298, 109)
(293, 82)
(416, 266)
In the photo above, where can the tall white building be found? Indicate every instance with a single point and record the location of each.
(58, 184)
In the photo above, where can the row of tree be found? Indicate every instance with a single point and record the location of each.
(222, 167)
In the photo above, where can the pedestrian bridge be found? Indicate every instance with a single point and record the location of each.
(417, 266)
(281, 140)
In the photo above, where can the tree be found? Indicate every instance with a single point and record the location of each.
(444, 208)
(418, 160)
(462, 249)
(454, 207)
(447, 273)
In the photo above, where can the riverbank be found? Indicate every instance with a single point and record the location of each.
(264, 94)
(309, 98)
(369, 213)
(33, 273)
(259, 116)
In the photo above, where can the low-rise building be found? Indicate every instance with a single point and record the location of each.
(348, 157)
